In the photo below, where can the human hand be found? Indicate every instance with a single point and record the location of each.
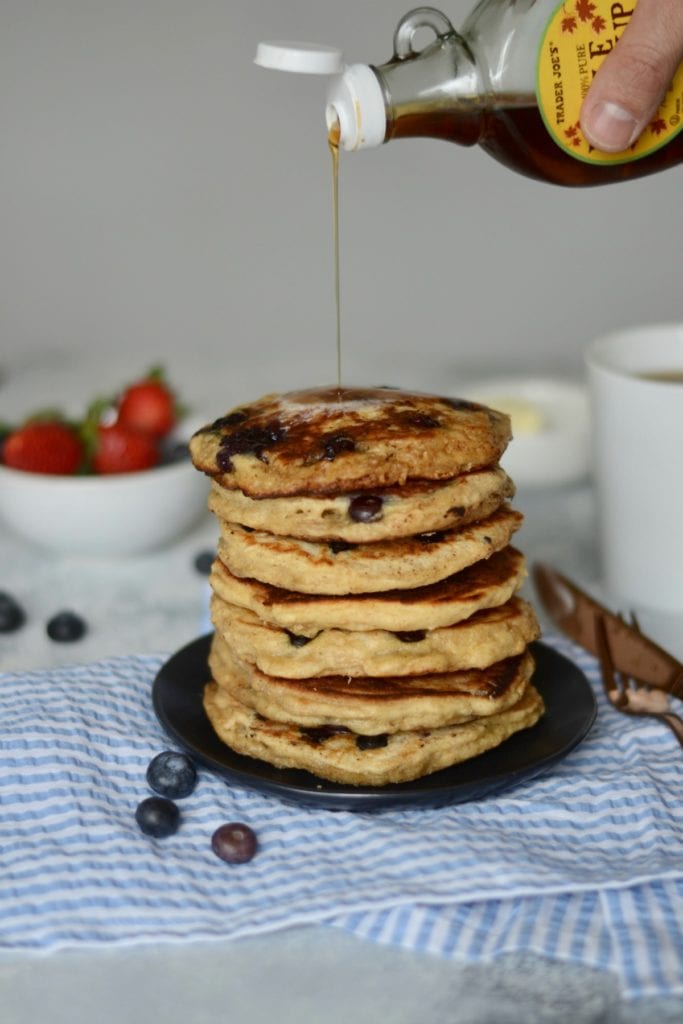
(633, 78)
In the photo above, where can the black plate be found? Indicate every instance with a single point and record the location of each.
(570, 712)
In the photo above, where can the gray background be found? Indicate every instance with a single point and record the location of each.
(161, 197)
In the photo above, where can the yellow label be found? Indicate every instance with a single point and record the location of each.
(577, 39)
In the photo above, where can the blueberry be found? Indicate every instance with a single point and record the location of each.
(172, 775)
(336, 546)
(66, 627)
(157, 817)
(203, 561)
(234, 843)
(366, 508)
(420, 419)
(298, 639)
(371, 742)
(12, 615)
(231, 420)
(411, 636)
(317, 734)
(174, 451)
(248, 441)
(336, 445)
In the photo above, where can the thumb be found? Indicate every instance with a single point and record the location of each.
(632, 80)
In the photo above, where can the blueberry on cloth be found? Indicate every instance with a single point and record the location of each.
(12, 615)
(172, 775)
(66, 627)
(234, 843)
(157, 817)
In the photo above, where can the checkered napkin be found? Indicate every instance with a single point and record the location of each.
(582, 863)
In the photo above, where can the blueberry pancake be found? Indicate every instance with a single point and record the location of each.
(313, 567)
(373, 704)
(355, 759)
(421, 506)
(484, 638)
(486, 584)
(334, 440)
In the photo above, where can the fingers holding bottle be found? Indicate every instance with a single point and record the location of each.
(632, 80)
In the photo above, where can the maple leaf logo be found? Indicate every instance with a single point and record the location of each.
(658, 126)
(569, 24)
(599, 25)
(585, 9)
(573, 134)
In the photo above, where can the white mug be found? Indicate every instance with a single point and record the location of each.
(635, 380)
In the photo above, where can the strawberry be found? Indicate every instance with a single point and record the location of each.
(148, 406)
(121, 450)
(44, 447)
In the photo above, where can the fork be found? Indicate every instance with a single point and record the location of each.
(628, 695)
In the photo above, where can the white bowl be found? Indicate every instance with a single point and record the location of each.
(550, 427)
(107, 516)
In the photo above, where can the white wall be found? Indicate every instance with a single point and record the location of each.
(163, 198)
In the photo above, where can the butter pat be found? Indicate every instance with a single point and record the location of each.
(526, 416)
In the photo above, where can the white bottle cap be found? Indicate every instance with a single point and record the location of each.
(355, 101)
(306, 58)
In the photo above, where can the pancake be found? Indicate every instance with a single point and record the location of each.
(486, 584)
(339, 757)
(372, 705)
(417, 507)
(332, 441)
(316, 568)
(484, 638)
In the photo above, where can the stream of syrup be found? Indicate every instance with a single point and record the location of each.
(333, 137)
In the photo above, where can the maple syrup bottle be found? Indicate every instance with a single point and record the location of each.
(512, 81)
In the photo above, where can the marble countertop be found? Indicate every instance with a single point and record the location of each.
(142, 605)
(156, 604)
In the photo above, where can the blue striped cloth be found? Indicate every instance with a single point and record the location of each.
(581, 864)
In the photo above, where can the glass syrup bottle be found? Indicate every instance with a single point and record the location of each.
(511, 81)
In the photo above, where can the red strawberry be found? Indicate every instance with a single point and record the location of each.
(44, 447)
(120, 450)
(149, 406)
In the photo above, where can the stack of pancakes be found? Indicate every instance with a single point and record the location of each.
(367, 627)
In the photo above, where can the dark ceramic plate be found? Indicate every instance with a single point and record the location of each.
(570, 713)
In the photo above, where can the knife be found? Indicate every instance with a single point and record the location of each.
(576, 613)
